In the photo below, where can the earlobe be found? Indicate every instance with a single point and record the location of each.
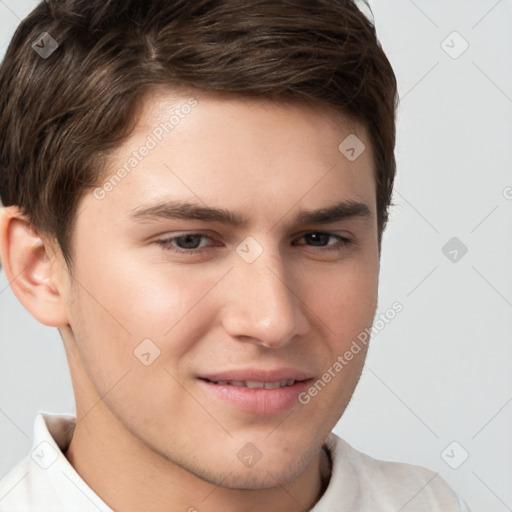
(31, 269)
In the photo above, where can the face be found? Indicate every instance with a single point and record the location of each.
(217, 282)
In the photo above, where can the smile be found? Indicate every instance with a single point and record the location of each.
(251, 384)
(261, 396)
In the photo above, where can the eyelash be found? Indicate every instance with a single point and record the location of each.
(166, 243)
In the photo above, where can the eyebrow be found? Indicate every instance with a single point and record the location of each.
(190, 211)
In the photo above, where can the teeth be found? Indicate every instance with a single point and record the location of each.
(254, 385)
(251, 384)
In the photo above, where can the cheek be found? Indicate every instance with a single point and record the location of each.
(343, 300)
(118, 304)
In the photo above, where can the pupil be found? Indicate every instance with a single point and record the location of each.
(318, 237)
(188, 241)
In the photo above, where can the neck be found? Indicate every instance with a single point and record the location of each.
(100, 447)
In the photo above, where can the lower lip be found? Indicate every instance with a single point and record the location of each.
(260, 400)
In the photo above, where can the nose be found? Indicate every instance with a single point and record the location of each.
(263, 307)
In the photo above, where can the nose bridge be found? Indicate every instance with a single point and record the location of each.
(262, 304)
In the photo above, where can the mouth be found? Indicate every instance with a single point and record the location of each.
(261, 393)
(252, 384)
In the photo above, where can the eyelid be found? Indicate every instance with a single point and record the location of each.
(167, 242)
(342, 242)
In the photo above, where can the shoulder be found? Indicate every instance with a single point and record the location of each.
(45, 481)
(13, 485)
(363, 482)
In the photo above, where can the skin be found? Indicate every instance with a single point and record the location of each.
(297, 305)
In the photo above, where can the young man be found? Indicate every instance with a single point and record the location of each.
(194, 194)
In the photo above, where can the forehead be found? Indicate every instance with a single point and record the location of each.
(249, 153)
(161, 103)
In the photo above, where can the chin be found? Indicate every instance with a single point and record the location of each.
(267, 473)
(258, 478)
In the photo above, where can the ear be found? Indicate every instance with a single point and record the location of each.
(34, 270)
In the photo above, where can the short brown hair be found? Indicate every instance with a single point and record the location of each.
(60, 115)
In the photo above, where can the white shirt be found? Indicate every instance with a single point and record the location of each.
(45, 481)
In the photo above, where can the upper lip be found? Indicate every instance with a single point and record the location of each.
(258, 375)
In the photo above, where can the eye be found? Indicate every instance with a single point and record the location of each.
(194, 243)
(185, 243)
(320, 239)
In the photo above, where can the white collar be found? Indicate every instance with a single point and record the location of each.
(45, 481)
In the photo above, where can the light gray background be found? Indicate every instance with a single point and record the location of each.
(441, 371)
